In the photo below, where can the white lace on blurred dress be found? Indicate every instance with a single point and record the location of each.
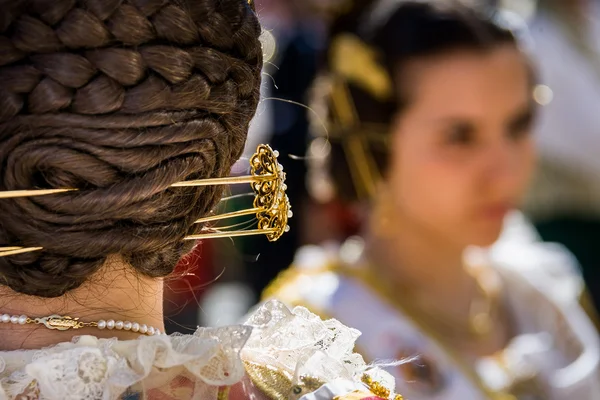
(278, 354)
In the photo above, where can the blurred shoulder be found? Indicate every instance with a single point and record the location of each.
(310, 281)
(521, 253)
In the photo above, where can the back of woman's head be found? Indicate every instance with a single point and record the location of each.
(372, 46)
(119, 99)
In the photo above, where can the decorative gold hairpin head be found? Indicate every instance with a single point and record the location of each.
(271, 206)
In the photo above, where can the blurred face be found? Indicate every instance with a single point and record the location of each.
(462, 150)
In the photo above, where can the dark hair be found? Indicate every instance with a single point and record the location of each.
(409, 31)
(119, 99)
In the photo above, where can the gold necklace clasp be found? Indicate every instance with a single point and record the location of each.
(60, 323)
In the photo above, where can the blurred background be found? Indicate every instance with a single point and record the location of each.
(222, 279)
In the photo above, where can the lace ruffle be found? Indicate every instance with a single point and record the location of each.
(296, 342)
(300, 343)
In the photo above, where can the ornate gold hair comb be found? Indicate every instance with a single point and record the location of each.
(354, 62)
(271, 206)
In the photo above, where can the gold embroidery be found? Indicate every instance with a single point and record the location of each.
(223, 393)
(279, 385)
(275, 384)
(377, 388)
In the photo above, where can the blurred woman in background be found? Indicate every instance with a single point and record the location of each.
(429, 139)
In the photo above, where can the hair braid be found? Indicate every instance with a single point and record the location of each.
(120, 99)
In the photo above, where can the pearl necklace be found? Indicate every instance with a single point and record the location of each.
(64, 323)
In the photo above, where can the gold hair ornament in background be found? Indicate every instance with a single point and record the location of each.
(354, 62)
(271, 205)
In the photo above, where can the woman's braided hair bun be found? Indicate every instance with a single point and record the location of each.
(120, 99)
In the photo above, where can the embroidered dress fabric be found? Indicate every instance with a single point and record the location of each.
(273, 355)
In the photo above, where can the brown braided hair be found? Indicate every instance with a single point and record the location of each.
(120, 99)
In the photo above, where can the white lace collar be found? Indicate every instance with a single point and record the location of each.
(295, 343)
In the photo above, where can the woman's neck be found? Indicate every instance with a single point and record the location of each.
(423, 267)
(116, 293)
(426, 274)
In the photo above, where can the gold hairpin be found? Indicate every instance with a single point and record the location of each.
(361, 163)
(11, 194)
(271, 205)
(353, 62)
(11, 251)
